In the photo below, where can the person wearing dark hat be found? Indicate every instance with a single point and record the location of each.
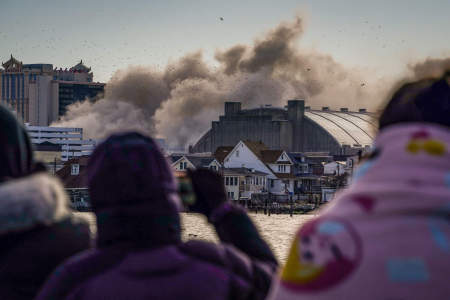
(387, 236)
(139, 252)
(37, 229)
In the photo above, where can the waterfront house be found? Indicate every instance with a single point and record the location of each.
(242, 183)
(275, 163)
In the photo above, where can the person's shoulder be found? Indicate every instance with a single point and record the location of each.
(73, 225)
(222, 255)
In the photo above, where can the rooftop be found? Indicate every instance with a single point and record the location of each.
(243, 171)
(348, 128)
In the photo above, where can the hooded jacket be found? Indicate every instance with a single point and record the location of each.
(37, 230)
(388, 235)
(37, 233)
(139, 253)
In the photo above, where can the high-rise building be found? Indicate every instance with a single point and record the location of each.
(39, 94)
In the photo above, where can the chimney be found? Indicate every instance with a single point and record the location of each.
(325, 108)
(362, 110)
(344, 109)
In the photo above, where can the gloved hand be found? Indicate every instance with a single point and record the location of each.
(209, 190)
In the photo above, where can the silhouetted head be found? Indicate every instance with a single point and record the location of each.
(133, 191)
(16, 155)
(423, 101)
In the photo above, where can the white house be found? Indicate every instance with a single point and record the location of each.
(241, 183)
(182, 162)
(275, 163)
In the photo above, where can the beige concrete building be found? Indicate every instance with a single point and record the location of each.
(39, 94)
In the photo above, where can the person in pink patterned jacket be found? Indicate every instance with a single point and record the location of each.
(387, 236)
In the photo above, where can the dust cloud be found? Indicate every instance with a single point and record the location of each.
(179, 102)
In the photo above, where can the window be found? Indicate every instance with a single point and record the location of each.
(183, 165)
(235, 181)
(281, 168)
(257, 180)
(227, 180)
(237, 153)
(272, 183)
(213, 167)
(75, 169)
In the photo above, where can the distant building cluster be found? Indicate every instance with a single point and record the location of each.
(40, 94)
(56, 145)
(254, 172)
(296, 128)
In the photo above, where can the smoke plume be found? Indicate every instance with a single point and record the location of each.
(431, 67)
(180, 102)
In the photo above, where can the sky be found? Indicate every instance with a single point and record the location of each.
(379, 36)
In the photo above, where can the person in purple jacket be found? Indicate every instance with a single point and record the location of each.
(139, 252)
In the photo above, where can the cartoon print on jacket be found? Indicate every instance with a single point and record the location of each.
(325, 252)
(421, 140)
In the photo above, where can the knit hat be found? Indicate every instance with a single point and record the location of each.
(426, 100)
(129, 169)
(133, 192)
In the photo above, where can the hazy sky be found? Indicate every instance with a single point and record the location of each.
(111, 34)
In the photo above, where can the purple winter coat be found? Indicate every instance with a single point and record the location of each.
(139, 253)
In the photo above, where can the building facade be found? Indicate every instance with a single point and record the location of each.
(295, 128)
(59, 144)
(39, 94)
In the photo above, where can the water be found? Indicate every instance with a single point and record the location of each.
(277, 230)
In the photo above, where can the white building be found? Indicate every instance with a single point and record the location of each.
(241, 183)
(64, 142)
(182, 162)
(275, 163)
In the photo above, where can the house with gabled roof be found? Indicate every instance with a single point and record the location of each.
(221, 153)
(182, 162)
(276, 163)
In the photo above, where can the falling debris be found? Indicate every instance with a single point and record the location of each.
(221, 18)
(363, 84)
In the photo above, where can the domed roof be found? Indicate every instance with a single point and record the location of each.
(348, 128)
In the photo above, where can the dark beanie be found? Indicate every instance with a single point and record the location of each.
(426, 100)
(16, 155)
(128, 173)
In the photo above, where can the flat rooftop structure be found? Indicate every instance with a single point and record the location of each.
(68, 139)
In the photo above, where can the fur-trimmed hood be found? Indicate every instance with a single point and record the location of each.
(30, 201)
